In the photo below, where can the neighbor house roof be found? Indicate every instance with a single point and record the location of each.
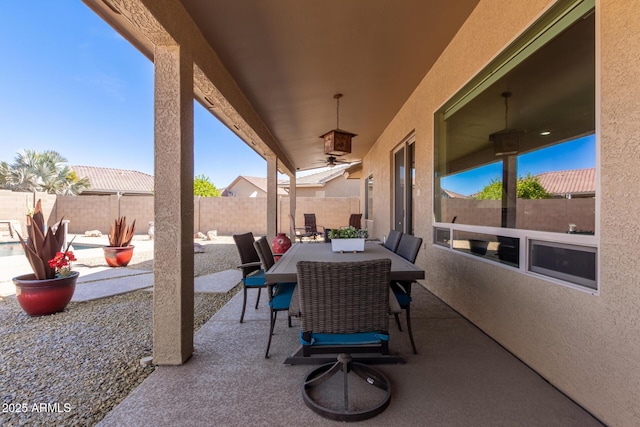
(113, 181)
(318, 179)
(575, 182)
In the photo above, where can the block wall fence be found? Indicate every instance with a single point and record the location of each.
(226, 215)
(230, 215)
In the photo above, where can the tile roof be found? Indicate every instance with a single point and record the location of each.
(318, 178)
(578, 181)
(108, 180)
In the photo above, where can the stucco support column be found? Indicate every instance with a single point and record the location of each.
(173, 205)
(272, 196)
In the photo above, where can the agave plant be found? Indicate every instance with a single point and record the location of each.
(41, 246)
(119, 234)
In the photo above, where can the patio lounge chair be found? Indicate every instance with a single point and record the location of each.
(310, 226)
(408, 248)
(297, 233)
(344, 308)
(252, 274)
(355, 220)
(279, 293)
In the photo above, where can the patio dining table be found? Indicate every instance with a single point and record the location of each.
(285, 270)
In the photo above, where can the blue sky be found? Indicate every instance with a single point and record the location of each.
(70, 83)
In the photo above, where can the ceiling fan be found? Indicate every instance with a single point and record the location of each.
(333, 160)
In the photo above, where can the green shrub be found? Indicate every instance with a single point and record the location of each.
(348, 233)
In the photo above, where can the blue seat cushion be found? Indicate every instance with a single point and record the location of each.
(401, 295)
(403, 298)
(255, 279)
(282, 296)
(360, 338)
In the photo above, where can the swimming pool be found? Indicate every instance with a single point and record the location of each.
(15, 248)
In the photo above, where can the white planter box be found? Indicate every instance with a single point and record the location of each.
(347, 245)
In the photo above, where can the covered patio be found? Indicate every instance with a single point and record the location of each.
(460, 376)
(269, 70)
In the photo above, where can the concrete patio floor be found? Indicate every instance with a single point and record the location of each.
(460, 377)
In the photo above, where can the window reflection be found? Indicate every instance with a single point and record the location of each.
(521, 153)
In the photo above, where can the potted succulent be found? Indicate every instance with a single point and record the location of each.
(50, 288)
(348, 239)
(120, 249)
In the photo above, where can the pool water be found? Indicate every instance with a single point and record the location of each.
(15, 248)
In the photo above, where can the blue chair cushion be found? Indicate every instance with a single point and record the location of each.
(282, 296)
(255, 279)
(402, 297)
(345, 339)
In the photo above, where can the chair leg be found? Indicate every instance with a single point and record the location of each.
(273, 316)
(398, 321)
(258, 299)
(244, 302)
(413, 343)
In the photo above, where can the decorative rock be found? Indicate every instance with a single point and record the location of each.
(146, 361)
(198, 248)
(199, 235)
(212, 234)
(93, 233)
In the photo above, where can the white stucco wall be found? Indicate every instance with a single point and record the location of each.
(588, 346)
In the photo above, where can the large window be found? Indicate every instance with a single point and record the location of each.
(515, 152)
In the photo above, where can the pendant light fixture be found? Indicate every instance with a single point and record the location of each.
(337, 142)
(506, 142)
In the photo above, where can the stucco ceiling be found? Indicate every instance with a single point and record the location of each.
(289, 57)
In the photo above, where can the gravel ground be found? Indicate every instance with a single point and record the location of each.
(72, 368)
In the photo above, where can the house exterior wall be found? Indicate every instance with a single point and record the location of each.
(586, 345)
(242, 188)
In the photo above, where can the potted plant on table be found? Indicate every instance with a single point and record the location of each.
(348, 239)
(50, 288)
(120, 249)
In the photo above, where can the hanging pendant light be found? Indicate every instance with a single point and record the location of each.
(506, 142)
(337, 142)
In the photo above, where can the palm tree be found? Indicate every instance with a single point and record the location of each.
(45, 172)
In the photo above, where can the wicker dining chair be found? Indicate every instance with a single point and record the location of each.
(408, 248)
(344, 305)
(344, 308)
(279, 293)
(252, 274)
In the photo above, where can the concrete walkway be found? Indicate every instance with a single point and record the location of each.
(102, 281)
(460, 377)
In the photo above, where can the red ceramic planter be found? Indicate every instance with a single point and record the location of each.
(118, 256)
(281, 243)
(42, 297)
